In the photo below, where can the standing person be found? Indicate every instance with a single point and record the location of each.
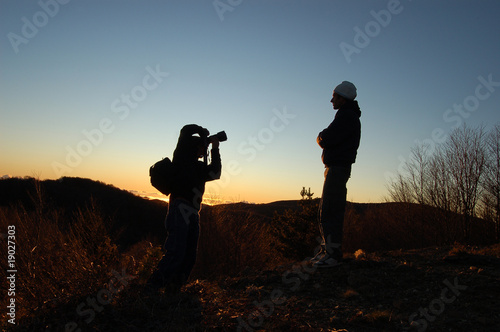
(340, 142)
(183, 219)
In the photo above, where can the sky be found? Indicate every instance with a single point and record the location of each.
(101, 89)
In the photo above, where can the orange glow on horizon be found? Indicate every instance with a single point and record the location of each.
(205, 201)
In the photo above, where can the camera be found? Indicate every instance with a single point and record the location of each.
(221, 136)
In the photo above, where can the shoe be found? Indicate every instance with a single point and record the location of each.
(327, 261)
(319, 256)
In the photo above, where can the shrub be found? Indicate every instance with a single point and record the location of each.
(58, 258)
(296, 230)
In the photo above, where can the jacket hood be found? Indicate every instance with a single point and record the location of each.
(352, 105)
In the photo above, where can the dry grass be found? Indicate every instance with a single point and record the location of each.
(65, 258)
(57, 259)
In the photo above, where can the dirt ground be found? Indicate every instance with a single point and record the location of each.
(433, 289)
(441, 289)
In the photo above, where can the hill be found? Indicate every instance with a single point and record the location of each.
(369, 226)
(131, 218)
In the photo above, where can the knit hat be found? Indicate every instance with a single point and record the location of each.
(347, 90)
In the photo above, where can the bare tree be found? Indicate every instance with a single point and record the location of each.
(441, 193)
(453, 178)
(418, 173)
(491, 197)
(410, 185)
(399, 190)
(465, 158)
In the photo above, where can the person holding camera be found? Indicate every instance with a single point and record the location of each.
(340, 142)
(182, 222)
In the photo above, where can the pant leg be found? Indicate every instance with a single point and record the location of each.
(191, 250)
(332, 208)
(175, 246)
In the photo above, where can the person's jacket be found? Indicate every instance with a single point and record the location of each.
(191, 173)
(340, 141)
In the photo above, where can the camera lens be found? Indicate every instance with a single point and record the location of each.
(221, 136)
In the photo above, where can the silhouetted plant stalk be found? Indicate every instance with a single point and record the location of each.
(306, 194)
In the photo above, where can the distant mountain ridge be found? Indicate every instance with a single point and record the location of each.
(133, 218)
(371, 226)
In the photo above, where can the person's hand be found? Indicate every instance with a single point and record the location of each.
(204, 132)
(215, 142)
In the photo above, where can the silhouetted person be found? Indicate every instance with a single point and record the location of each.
(182, 221)
(340, 142)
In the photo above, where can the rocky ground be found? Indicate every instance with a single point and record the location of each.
(433, 289)
(429, 289)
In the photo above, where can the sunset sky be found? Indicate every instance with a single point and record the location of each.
(100, 89)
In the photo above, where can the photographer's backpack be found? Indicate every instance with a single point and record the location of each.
(161, 176)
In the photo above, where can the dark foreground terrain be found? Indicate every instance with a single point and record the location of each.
(84, 250)
(439, 289)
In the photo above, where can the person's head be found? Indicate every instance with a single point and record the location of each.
(192, 149)
(344, 92)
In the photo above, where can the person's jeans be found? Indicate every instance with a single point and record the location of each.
(183, 227)
(332, 209)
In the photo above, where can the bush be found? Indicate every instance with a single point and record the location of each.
(296, 230)
(232, 240)
(57, 258)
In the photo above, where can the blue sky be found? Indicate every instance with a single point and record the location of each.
(100, 89)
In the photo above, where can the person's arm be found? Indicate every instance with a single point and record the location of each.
(215, 167)
(336, 133)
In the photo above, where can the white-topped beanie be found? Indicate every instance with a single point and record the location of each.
(347, 90)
